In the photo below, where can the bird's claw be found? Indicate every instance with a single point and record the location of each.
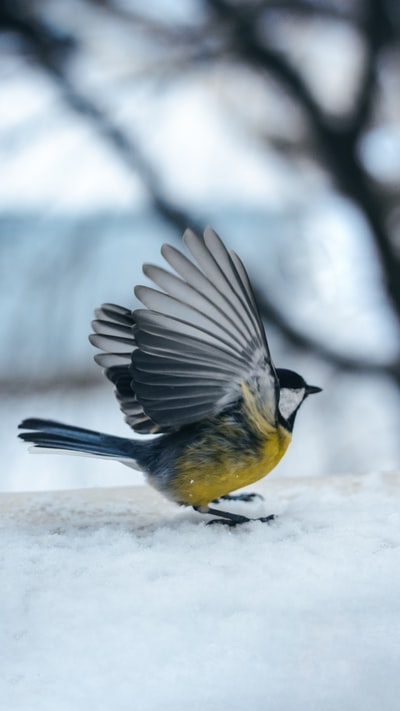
(246, 497)
(232, 523)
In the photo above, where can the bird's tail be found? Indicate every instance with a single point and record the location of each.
(50, 435)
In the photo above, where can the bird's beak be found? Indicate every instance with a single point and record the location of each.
(311, 389)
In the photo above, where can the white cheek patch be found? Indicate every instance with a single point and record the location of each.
(289, 400)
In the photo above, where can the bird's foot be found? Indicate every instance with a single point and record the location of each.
(230, 519)
(231, 523)
(246, 497)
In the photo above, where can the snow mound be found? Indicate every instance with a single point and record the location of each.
(117, 599)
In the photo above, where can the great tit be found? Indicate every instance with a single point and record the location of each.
(194, 368)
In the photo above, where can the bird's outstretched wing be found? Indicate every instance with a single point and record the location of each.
(113, 328)
(198, 344)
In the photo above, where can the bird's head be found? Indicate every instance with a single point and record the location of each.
(293, 391)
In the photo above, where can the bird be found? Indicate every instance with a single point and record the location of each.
(192, 367)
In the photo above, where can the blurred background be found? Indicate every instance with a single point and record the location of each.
(278, 123)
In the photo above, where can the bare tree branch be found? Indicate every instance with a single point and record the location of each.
(303, 341)
(339, 145)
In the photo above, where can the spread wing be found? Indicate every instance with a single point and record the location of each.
(194, 347)
(114, 326)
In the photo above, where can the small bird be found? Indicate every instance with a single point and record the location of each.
(194, 368)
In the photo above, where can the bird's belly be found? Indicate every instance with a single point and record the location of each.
(200, 480)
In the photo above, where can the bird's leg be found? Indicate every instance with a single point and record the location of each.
(238, 497)
(228, 518)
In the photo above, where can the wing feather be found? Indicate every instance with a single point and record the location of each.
(209, 321)
(210, 301)
(113, 332)
(154, 322)
(184, 349)
(187, 354)
(203, 329)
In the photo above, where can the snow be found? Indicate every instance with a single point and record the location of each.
(115, 598)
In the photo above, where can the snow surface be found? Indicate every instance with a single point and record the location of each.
(117, 599)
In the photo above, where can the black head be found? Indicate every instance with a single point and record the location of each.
(293, 391)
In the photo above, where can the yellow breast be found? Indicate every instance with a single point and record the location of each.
(211, 469)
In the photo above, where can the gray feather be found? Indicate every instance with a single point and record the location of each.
(185, 356)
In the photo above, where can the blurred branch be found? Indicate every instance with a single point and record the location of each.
(338, 143)
(308, 8)
(42, 42)
(167, 33)
(186, 45)
(238, 33)
(49, 44)
(299, 339)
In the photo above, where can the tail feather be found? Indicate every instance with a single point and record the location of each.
(52, 435)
